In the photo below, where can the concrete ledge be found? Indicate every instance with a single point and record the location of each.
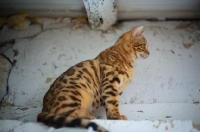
(110, 125)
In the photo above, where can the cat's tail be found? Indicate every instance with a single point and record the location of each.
(59, 121)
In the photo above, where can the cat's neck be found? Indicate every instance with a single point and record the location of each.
(128, 53)
(127, 49)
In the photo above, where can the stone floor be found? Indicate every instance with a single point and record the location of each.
(166, 86)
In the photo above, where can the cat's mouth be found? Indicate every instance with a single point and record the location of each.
(144, 56)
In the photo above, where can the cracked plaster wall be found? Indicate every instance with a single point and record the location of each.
(169, 78)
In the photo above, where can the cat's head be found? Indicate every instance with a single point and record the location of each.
(135, 43)
(139, 43)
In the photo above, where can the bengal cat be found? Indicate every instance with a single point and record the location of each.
(91, 83)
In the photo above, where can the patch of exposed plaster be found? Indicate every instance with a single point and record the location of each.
(196, 126)
(159, 122)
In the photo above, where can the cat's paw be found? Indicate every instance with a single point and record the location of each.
(118, 117)
(123, 117)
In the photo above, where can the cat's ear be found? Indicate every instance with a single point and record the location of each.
(137, 31)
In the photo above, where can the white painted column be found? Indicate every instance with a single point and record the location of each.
(101, 13)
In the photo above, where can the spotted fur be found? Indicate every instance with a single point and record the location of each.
(91, 83)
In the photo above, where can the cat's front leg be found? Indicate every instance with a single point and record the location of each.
(110, 97)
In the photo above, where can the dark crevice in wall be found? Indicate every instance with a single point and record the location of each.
(7, 87)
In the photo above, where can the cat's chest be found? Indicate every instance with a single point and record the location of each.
(125, 77)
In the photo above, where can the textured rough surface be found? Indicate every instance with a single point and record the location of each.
(169, 76)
